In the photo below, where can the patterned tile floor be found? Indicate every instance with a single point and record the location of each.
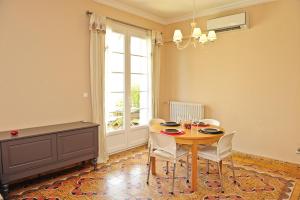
(123, 177)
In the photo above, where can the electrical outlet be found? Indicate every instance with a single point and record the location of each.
(298, 151)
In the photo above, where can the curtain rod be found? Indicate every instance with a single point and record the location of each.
(89, 13)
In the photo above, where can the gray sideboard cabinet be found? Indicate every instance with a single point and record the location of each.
(38, 150)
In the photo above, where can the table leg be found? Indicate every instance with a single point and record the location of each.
(194, 167)
(153, 166)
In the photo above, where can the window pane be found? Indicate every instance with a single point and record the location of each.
(144, 116)
(115, 111)
(135, 97)
(115, 102)
(116, 62)
(139, 117)
(139, 114)
(116, 42)
(138, 46)
(115, 82)
(139, 99)
(139, 64)
(139, 81)
(135, 117)
(135, 106)
(115, 121)
(144, 99)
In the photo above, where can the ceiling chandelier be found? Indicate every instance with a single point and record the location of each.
(195, 36)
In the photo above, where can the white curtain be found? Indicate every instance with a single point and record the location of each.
(157, 42)
(97, 29)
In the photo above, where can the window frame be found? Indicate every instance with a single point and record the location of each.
(129, 32)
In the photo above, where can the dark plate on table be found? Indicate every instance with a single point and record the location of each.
(171, 130)
(211, 131)
(170, 124)
(200, 124)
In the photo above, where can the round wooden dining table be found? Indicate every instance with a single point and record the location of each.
(191, 137)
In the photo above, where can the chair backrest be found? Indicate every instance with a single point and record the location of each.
(153, 122)
(224, 145)
(163, 142)
(211, 122)
(156, 121)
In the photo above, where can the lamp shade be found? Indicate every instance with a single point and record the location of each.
(177, 37)
(212, 36)
(196, 33)
(203, 38)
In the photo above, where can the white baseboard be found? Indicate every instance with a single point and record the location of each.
(126, 149)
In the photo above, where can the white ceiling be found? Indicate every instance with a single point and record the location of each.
(174, 8)
(169, 11)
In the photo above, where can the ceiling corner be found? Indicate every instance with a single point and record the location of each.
(132, 10)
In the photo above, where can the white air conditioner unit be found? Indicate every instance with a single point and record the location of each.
(227, 23)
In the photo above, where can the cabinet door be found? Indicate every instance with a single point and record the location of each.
(21, 154)
(72, 144)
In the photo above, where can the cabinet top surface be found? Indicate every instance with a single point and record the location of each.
(43, 130)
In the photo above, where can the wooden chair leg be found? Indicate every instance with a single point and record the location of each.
(153, 165)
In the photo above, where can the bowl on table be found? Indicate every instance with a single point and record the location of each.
(200, 124)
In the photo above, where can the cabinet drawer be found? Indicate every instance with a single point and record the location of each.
(77, 143)
(19, 155)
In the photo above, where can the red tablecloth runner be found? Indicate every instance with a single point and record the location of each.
(172, 134)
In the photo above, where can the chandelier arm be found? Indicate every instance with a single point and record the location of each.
(188, 42)
(185, 45)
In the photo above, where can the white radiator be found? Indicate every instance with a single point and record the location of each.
(182, 111)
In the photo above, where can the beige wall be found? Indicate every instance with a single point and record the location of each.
(249, 80)
(44, 60)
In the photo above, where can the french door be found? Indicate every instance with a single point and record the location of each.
(127, 86)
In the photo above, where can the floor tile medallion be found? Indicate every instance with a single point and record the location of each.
(124, 177)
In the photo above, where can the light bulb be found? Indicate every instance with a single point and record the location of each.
(203, 39)
(177, 37)
(196, 33)
(212, 36)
